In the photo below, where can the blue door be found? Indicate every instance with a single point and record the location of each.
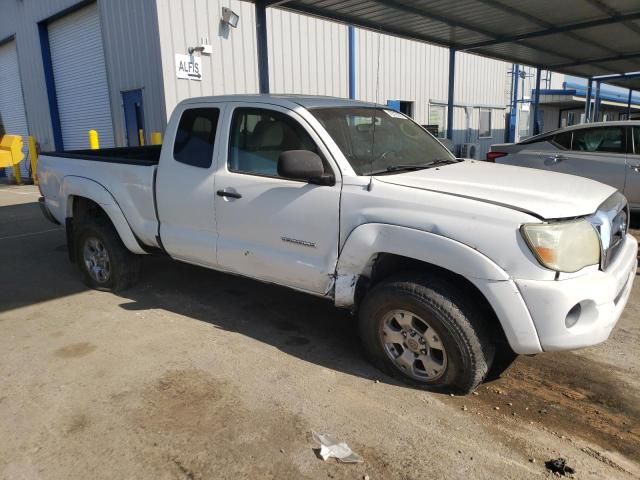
(394, 104)
(133, 117)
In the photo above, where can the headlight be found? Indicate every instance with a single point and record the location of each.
(563, 246)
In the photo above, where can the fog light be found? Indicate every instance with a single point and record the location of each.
(573, 316)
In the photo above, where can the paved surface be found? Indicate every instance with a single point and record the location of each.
(195, 374)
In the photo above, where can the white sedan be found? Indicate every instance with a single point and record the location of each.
(608, 152)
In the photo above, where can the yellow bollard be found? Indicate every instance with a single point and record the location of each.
(156, 138)
(33, 157)
(16, 173)
(141, 136)
(94, 143)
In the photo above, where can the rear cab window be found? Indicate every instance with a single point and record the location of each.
(195, 137)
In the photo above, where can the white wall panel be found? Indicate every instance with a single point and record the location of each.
(131, 52)
(307, 55)
(13, 119)
(233, 66)
(391, 68)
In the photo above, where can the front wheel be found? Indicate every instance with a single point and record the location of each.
(104, 261)
(421, 330)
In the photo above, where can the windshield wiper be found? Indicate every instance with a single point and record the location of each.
(397, 168)
(439, 161)
(410, 167)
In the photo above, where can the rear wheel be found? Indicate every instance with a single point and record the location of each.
(421, 330)
(104, 261)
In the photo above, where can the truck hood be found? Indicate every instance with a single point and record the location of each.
(546, 195)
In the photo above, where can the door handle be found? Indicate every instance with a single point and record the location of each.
(557, 158)
(224, 193)
(635, 168)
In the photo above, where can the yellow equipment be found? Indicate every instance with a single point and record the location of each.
(11, 154)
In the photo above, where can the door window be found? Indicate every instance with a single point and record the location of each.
(259, 136)
(562, 140)
(636, 140)
(603, 139)
(195, 137)
(437, 117)
(485, 123)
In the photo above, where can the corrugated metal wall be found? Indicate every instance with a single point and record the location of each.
(132, 57)
(307, 55)
(233, 66)
(391, 68)
(419, 72)
(79, 84)
(13, 119)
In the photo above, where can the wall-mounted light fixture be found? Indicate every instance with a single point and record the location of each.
(204, 47)
(230, 17)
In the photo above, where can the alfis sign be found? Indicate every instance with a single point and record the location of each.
(188, 67)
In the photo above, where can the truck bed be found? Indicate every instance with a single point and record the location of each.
(126, 174)
(143, 156)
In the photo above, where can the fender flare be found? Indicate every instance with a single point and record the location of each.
(365, 242)
(74, 186)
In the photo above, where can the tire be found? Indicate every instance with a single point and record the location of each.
(452, 354)
(121, 267)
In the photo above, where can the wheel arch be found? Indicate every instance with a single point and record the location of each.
(374, 251)
(85, 196)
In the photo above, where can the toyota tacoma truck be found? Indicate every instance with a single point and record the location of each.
(447, 263)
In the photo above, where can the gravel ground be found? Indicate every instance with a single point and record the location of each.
(194, 374)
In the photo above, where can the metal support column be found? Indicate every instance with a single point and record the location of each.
(629, 105)
(536, 104)
(263, 48)
(452, 82)
(352, 62)
(513, 114)
(587, 105)
(596, 106)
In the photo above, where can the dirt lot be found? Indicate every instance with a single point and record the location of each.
(197, 375)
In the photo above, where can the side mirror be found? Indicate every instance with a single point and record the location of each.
(303, 165)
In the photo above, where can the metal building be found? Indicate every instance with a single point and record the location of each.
(113, 65)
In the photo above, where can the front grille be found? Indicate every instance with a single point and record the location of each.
(611, 220)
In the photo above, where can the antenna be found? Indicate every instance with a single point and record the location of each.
(373, 118)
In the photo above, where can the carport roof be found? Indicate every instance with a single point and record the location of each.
(586, 38)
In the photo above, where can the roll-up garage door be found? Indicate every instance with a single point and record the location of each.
(80, 76)
(13, 119)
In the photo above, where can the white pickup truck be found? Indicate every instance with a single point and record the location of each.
(448, 263)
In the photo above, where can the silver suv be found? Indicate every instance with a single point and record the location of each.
(608, 152)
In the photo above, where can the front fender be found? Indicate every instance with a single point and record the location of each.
(369, 240)
(87, 188)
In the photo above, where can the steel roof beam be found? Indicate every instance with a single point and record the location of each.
(498, 5)
(620, 76)
(588, 61)
(554, 30)
(272, 3)
(457, 24)
(369, 25)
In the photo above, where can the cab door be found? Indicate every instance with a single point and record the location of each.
(184, 186)
(269, 227)
(632, 183)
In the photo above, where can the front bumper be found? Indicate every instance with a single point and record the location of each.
(45, 211)
(601, 295)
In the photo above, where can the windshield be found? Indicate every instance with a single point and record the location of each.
(378, 140)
